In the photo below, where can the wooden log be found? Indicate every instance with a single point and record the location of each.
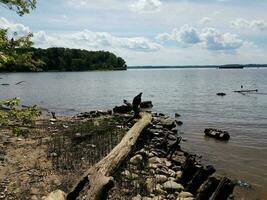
(200, 177)
(97, 181)
(207, 189)
(224, 189)
(241, 91)
(189, 168)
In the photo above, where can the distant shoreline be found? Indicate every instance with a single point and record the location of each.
(234, 66)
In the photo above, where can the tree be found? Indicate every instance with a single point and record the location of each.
(20, 6)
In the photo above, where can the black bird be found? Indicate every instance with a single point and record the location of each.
(136, 102)
(135, 105)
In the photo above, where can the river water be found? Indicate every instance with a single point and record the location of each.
(190, 92)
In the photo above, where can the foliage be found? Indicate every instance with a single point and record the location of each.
(11, 58)
(12, 114)
(64, 59)
(20, 6)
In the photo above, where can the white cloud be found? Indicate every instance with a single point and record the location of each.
(241, 23)
(20, 29)
(208, 38)
(146, 6)
(204, 20)
(212, 39)
(94, 41)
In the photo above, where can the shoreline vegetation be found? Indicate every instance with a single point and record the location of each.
(46, 159)
(61, 59)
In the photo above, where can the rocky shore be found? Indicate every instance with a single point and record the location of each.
(61, 150)
(151, 173)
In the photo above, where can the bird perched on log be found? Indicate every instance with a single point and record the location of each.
(136, 103)
(135, 106)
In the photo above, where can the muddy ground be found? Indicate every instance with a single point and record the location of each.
(54, 154)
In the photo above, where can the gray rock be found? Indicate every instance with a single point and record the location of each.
(154, 160)
(137, 159)
(138, 197)
(171, 185)
(150, 185)
(178, 175)
(160, 178)
(185, 195)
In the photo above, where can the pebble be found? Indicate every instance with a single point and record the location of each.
(185, 195)
(160, 178)
(171, 185)
(136, 159)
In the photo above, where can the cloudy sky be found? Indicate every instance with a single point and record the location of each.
(151, 32)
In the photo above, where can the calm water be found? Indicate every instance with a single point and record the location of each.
(190, 92)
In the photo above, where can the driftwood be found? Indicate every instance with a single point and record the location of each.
(224, 189)
(189, 168)
(241, 91)
(97, 181)
(207, 189)
(200, 177)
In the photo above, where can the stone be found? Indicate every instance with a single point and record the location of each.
(126, 173)
(177, 115)
(173, 186)
(138, 197)
(146, 198)
(185, 195)
(53, 120)
(160, 178)
(137, 159)
(150, 185)
(178, 175)
(186, 198)
(58, 195)
(154, 160)
(159, 190)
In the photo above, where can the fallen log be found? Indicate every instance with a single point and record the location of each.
(97, 181)
(200, 177)
(241, 91)
(224, 189)
(207, 189)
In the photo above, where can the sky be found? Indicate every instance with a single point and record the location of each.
(151, 32)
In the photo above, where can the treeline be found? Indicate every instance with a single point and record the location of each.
(63, 59)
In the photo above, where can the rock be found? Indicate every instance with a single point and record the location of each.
(160, 178)
(218, 134)
(126, 173)
(221, 94)
(56, 195)
(53, 120)
(177, 115)
(53, 154)
(173, 186)
(146, 104)
(137, 159)
(150, 185)
(146, 198)
(159, 190)
(138, 197)
(185, 195)
(154, 160)
(178, 175)
(158, 198)
(122, 109)
(168, 123)
(179, 123)
(186, 198)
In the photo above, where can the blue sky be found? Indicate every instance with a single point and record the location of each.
(151, 32)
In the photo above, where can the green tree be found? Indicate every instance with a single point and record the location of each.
(20, 6)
